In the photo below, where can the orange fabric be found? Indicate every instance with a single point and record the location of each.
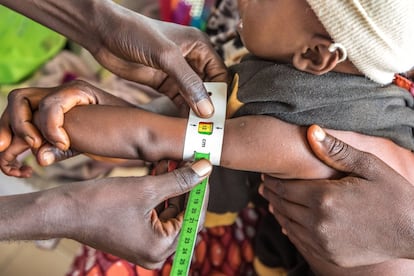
(404, 83)
(120, 268)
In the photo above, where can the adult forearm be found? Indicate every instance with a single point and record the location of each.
(76, 19)
(39, 215)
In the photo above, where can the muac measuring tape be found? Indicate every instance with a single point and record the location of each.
(203, 139)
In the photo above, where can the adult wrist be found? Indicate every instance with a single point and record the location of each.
(107, 20)
(60, 209)
(38, 215)
(100, 12)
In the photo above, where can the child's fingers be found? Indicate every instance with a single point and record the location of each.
(174, 206)
(9, 163)
(48, 154)
(53, 108)
(19, 114)
(5, 132)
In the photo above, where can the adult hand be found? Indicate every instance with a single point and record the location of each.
(365, 217)
(132, 45)
(116, 215)
(171, 58)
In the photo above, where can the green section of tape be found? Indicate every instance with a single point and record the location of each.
(189, 230)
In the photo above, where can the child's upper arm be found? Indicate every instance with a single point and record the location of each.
(266, 144)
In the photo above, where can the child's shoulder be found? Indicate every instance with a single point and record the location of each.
(254, 71)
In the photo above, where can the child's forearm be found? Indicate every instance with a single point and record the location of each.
(125, 132)
(253, 143)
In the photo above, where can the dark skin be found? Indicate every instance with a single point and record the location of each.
(312, 63)
(305, 43)
(152, 137)
(171, 58)
(321, 216)
(77, 122)
(101, 214)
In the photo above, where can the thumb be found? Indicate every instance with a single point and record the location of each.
(192, 88)
(5, 137)
(182, 180)
(49, 154)
(341, 156)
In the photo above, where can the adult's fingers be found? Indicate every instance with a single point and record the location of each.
(342, 156)
(296, 191)
(190, 84)
(292, 210)
(181, 180)
(131, 70)
(297, 233)
(207, 64)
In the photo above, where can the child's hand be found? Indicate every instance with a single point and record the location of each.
(51, 104)
(9, 162)
(47, 154)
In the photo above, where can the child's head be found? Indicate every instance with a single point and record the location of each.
(374, 33)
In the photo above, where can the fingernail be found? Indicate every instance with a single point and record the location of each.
(202, 167)
(48, 157)
(29, 140)
(271, 209)
(319, 134)
(284, 231)
(61, 146)
(205, 108)
(261, 189)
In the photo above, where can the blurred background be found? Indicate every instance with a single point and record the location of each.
(29, 64)
(32, 55)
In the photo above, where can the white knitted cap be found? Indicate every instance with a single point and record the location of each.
(377, 34)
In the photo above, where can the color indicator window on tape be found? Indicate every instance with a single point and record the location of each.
(203, 140)
(206, 135)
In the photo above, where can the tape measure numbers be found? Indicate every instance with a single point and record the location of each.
(189, 230)
(203, 140)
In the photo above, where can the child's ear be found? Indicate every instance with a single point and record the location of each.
(316, 57)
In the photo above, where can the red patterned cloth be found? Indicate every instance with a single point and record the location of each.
(222, 250)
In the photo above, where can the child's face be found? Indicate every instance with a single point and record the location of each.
(275, 29)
